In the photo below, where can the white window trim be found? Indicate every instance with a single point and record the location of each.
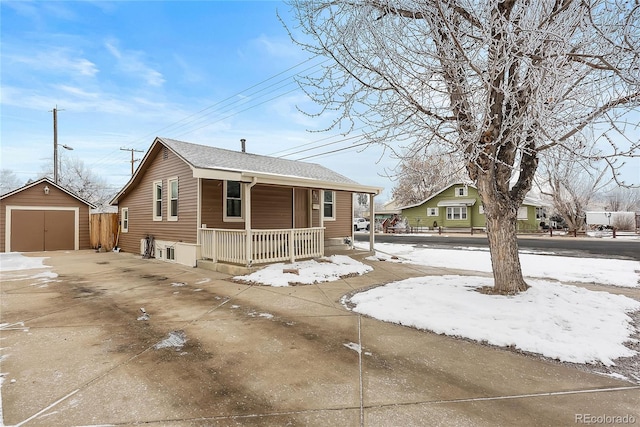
(481, 209)
(169, 199)
(124, 212)
(465, 191)
(157, 216)
(333, 204)
(435, 211)
(226, 218)
(450, 217)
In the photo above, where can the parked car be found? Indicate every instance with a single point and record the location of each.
(360, 224)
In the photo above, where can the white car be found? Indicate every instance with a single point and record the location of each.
(360, 224)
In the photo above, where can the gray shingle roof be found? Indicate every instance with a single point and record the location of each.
(206, 157)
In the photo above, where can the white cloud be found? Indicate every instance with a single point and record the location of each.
(131, 62)
(60, 60)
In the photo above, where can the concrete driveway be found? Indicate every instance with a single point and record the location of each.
(75, 351)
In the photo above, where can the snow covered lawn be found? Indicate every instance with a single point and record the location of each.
(583, 270)
(563, 322)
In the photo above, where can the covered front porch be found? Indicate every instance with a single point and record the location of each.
(255, 221)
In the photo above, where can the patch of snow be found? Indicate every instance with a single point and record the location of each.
(178, 284)
(12, 261)
(201, 281)
(309, 272)
(583, 270)
(353, 346)
(559, 321)
(175, 339)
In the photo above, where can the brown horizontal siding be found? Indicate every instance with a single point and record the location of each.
(163, 165)
(271, 207)
(35, 196)
(343, 224)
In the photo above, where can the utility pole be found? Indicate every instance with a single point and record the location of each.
(133, 150)
(55, 144)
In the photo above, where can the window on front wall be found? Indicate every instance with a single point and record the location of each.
(173, 199)
(432, 211)
(461, 191)
(329, 205)
(157, 201)
(124, 220)
(523, 213)
(457, 212)
(232, 201)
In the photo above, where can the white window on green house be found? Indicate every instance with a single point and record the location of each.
(329, 205)
(481, 209)
(540, 213)
(173, 199)
(432, 211)
(461, 191)
(457, 212)
(157, 200)
(124, 220)
(233, 201)
(523, 213)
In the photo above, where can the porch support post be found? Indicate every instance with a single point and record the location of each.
(372, 222)
(199, 212)
(247, 220)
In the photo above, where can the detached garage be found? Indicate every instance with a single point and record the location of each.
(43, 216)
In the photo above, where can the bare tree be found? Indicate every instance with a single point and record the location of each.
(499, 82)
(419, 175)
(78, 179)
(8, 181)
(571, 185)
(622, 199)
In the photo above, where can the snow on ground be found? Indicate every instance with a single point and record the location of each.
(564, 322)
(584, 270)
(307, 272)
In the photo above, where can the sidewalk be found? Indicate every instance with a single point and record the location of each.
(215, 352)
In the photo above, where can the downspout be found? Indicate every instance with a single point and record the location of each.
(247, 221)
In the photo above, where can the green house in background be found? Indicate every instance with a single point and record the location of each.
(459, 206)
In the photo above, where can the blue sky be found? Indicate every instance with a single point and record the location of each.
(121, 73)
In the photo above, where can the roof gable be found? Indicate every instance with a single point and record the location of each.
(48, 182)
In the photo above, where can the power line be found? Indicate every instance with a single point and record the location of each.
(198, 116)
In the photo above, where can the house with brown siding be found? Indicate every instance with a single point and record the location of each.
(43, 216)
(188, 202)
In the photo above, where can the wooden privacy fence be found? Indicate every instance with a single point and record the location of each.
(103, 230)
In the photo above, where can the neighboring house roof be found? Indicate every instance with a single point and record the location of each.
(217, 163)
(466, 201)
(48, 182)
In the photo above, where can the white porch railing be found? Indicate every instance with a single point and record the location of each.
(266, 245)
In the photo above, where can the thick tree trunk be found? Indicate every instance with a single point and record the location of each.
(505, 261)
(501, 213)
